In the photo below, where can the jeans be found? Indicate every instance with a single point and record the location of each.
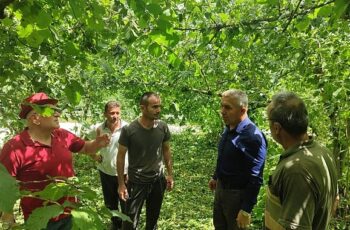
(111, 198)
(227, 203)
(152, 193)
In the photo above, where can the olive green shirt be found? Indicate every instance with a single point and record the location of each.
(302, 189)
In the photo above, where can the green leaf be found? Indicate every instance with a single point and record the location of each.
(273, 2)
(9, 190)
(55, 191)
(224, 17)
(40, 216)
(95, 23)
(340, 7)
(325, 11)
(120, 215)
(130, 36)
(44, 111)
(6, 22)
(303, 24)
(295, 43)
(106, 2)
(155, 49)
(71, 48)
(174, 61)
(24, 32)
(163, 24)
(144, 21)
(77, 7)
(43, 19)
(85, 192)
(86, 219)
(337, 92)
(154, 9)
(37, 37)
(73, 92)
(160, 39)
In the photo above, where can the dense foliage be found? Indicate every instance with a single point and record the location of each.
(85, 52)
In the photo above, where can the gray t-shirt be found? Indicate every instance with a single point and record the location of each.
(144, 150)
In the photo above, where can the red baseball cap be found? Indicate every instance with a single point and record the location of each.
(36, 98)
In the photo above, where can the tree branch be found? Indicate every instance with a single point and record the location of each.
(292, 16)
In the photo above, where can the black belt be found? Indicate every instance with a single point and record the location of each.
(226, 184)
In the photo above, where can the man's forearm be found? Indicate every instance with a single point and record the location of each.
(120, 168)
(168, 164)
(91, 147)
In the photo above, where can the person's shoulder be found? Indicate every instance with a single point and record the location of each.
(99, 125)
(162, 125)
(251, 131)
(132, 125)
(16, 142)
(123, 123)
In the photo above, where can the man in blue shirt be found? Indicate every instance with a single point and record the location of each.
(239, 170)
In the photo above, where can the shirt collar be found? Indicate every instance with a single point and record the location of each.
(104, 126)
(27, 140)
(297, 147)
(241, 125)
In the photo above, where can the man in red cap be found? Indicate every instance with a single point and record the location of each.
(42, 152)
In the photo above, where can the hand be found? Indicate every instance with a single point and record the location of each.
(102, 139)
(8, 220)
(243, 219)
(123, 192)
(212, 184)
(98, 158)
(169, 183)
(335, 205)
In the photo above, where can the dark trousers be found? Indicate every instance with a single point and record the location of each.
(63, 224)
(227, 203)
(153, 194)
(111, 198)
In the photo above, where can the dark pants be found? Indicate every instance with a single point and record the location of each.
(227, 203)
(153, 194)
(62, 224)
(111, 198)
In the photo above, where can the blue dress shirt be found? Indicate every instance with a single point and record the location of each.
(240, 163)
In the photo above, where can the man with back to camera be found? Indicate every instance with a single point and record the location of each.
(302, 191)
(43, 152)
(147, 141)
(239, 170)
(108, 168)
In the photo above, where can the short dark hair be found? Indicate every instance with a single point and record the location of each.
(290, 111)
(145, 96)
(111, 104)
